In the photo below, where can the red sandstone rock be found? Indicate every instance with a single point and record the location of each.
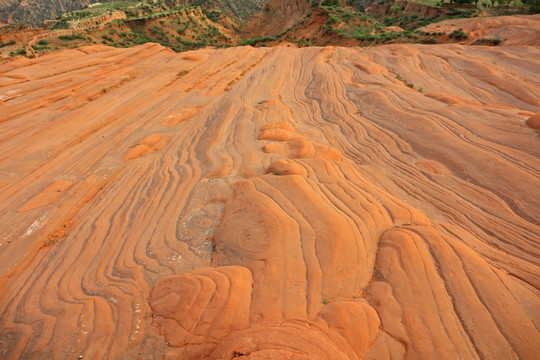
(277, 205)
(534, 121)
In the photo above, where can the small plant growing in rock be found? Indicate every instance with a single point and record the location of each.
(182, 73)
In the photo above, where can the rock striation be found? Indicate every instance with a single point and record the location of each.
(271, 203)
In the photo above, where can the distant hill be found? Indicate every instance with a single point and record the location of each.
(242, 9)
(276, 16)
(35, 12)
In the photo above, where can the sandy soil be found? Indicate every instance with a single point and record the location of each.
(271, 203)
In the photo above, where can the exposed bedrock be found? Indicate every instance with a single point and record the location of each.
(271, 203)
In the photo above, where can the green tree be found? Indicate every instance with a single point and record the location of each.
(331, 3)
(534, 5)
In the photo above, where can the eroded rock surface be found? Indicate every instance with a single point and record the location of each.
(271, 203)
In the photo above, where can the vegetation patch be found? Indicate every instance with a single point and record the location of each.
(10, 42)
(254, 41)
(407, 83)
(458, 35)
(488, 41)
(21, 51)
(76, 36)
(182, 73)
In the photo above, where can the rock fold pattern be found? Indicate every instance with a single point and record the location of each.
(271, 203)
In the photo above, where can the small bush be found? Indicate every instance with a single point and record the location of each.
(256, 40)
(330, 3)
(20, 51)
(458, 35)
(72, 37)
(405, 81)
(10, 42)
(43, 42)
(40, 47)
(182, 73)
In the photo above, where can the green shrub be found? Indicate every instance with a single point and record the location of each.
(330, 3)
(40, 47)
(256, 40)
(10, 42)
(21, 51)
(212, 15)
(394, 9)
(458, 35)
(534, 6)
(43, 42)
(72, 37)
(182, 73)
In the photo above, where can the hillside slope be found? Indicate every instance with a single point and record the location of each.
(503, 28)
(269, 202)
(34, 12)
(276, 17)
(243, 9)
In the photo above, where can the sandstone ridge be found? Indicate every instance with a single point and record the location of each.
(272, 203)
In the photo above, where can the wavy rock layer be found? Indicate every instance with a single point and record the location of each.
(271, 203)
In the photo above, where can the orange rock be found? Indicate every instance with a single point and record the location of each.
(432, 167)
(451, 100)
(192, 58)
(47, 195)
(278, 124)
(202, 307)
(370, 222)
(278, 135)
(154, 142)
(291, 339)
(286, 167)
(179, 116)
(137, 151)
(357, 322)
(534, 121)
